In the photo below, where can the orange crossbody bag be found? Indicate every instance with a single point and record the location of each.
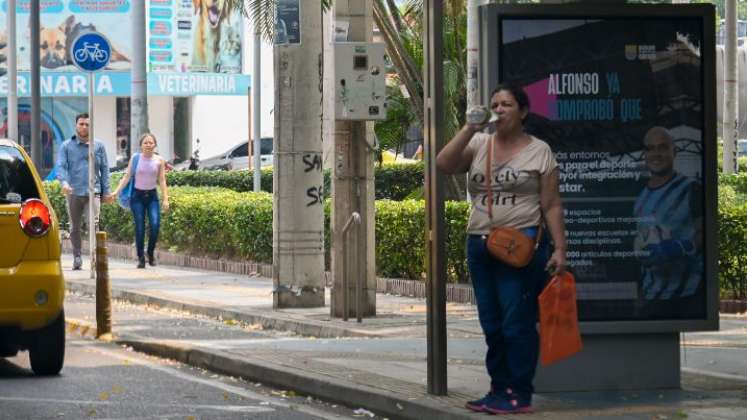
(504, 243)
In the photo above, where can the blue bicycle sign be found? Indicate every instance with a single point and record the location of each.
(91, 51)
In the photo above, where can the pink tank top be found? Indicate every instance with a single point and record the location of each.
(146, 176)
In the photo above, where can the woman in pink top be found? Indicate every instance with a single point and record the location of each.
(149, 172)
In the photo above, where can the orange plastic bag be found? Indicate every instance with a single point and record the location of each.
(559, 334)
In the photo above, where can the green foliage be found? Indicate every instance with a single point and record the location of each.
(241, 181)
(54, 192)
(393, 181)
(732, 261)
(400, 238)
(396, 181)
(741, 161)
(392, 132)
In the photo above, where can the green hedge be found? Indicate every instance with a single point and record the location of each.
(221, 222)
(392, 181)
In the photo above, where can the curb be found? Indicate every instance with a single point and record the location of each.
(307, 383)
(304, 328)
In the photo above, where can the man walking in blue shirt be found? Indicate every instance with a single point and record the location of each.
(72, 172)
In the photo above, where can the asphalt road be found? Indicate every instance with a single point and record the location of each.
(105, 381)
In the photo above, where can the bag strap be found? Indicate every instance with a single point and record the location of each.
(489, 175)
(135, 161)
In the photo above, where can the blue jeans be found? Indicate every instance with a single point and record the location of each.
(145, 202)
(507, 307)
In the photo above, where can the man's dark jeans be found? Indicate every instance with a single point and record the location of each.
(507, 306)
(145, 202)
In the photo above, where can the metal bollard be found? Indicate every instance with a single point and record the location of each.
(103, 288)
(355, 218)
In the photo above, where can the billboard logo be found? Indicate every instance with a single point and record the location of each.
(640, 52)
(631, 52)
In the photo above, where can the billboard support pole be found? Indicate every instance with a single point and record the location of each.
(36, 153)
(12, 113)
(257, 100)
(139, 83)
(92, 227)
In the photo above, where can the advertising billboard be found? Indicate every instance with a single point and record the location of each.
(64, 20)
(193, 47)
(625, 97)
(194, 36)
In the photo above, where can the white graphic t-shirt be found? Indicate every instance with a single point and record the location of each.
(515, 185)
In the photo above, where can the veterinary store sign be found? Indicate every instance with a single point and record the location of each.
(69, 84)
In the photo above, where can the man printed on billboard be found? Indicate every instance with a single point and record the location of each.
(669, 223)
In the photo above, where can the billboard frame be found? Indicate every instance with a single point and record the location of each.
(490, 32)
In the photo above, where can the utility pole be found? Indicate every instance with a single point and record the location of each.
(352, 183)
(298, 196)
(12, 49)
(731, 123)
(257, 107)
(434, 197)
(139, 76)
(36, 151)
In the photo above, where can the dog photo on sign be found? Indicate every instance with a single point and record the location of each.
(55, 43)
(216, 37)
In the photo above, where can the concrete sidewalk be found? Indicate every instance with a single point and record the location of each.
(380, 364)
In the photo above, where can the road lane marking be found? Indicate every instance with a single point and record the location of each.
(229, 408)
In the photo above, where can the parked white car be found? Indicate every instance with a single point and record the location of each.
(236, 157)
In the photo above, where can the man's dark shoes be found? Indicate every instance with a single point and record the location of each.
(77, 263)
(141, 262)
(152, 260)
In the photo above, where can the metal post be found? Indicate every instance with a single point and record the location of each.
(731, 86)
(249, 147)
(12, 73)
(256, 111)
(353, 220)
(139, 77)
(92, 225)
(36, 152)
(433, 140)
(103, 288)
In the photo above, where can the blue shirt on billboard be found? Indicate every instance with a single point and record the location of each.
(668, 224)
(72, 166)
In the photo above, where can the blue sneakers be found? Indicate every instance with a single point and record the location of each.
(509, 403)
(480, 405)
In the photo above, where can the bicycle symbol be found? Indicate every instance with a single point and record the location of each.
(91, 52)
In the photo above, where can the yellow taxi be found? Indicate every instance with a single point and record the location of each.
(32, 288)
